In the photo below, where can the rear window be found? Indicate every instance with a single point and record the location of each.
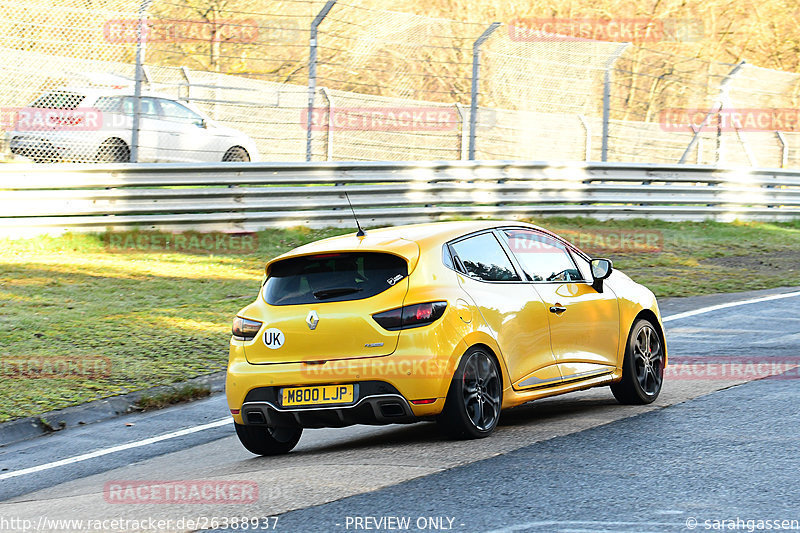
(58, 100)
(332, 277)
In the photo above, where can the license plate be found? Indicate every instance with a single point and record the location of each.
(321, 395)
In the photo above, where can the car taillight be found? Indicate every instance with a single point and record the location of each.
(245, 329)
(410, 316)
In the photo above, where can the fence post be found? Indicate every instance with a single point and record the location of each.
(473, 105)
(141, 35)
(312, 70)
(462, 148)
(186, 77)
(784, 149)
(329, 145)
(716, 108)
(607, 98)
(588, 145)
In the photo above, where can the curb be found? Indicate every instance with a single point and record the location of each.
(94, 411)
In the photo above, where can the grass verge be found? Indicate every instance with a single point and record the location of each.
(111, 321)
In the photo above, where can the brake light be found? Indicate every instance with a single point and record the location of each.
(245, 329)
(423, 402)
(410, 316)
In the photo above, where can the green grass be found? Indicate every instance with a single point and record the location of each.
(179, 394)
(161, 318)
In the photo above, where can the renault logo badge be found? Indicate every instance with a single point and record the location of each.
(312, 320)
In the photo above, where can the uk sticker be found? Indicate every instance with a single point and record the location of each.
(273, 338)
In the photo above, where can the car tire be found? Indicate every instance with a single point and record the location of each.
(472, 407)
(643, 366)
(236, 154)
(113, 151)
(263, 440)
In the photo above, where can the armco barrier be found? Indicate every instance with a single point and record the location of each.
(253, 196)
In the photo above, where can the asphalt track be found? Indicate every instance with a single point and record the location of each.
(716, 446)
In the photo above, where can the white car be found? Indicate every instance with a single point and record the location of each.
(89, 124)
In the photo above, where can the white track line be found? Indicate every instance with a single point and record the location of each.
(227, 420)
(115, 449)
(729, 304)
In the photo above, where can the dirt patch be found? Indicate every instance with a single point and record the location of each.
(772, 262)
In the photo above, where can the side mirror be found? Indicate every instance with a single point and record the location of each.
(601, 269)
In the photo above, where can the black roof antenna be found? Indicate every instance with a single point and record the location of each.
(361, 232)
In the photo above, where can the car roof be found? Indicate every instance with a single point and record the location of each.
(405, 241)
(111, 91)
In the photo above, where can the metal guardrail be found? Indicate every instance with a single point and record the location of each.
(253, 196)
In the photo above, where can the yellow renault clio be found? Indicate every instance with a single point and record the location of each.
(452, 321)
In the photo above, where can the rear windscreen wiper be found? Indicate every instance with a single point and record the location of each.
(337, 291)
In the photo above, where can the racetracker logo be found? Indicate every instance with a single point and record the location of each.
(189, 242)
(180, 492)
(40, 119)
(730, 120)
(593, 242)
(732, 368)
(630, 30)
(44, 367)
(240, 31)
(383, 119)
(414, 367)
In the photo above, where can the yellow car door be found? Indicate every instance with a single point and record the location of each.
(513, 311)
(584, 323)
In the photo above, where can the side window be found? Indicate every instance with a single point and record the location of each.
(109, 104)
(583, 265)
(542, 257)
(484, 258)
(148, 107)
(175, 112)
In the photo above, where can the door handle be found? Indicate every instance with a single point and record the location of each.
(557, 309)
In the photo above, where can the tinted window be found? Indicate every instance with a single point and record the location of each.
(58, 100)
(484, 258)
(542, 257)
(332, 277)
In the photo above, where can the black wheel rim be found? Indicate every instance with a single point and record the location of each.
(481, 388)
(648, 360)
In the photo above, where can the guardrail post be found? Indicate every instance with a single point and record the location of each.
(607, 98)
(139, 74)
(473, 105)
(312, 70)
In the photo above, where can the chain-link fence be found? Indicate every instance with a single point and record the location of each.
(233, 80)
